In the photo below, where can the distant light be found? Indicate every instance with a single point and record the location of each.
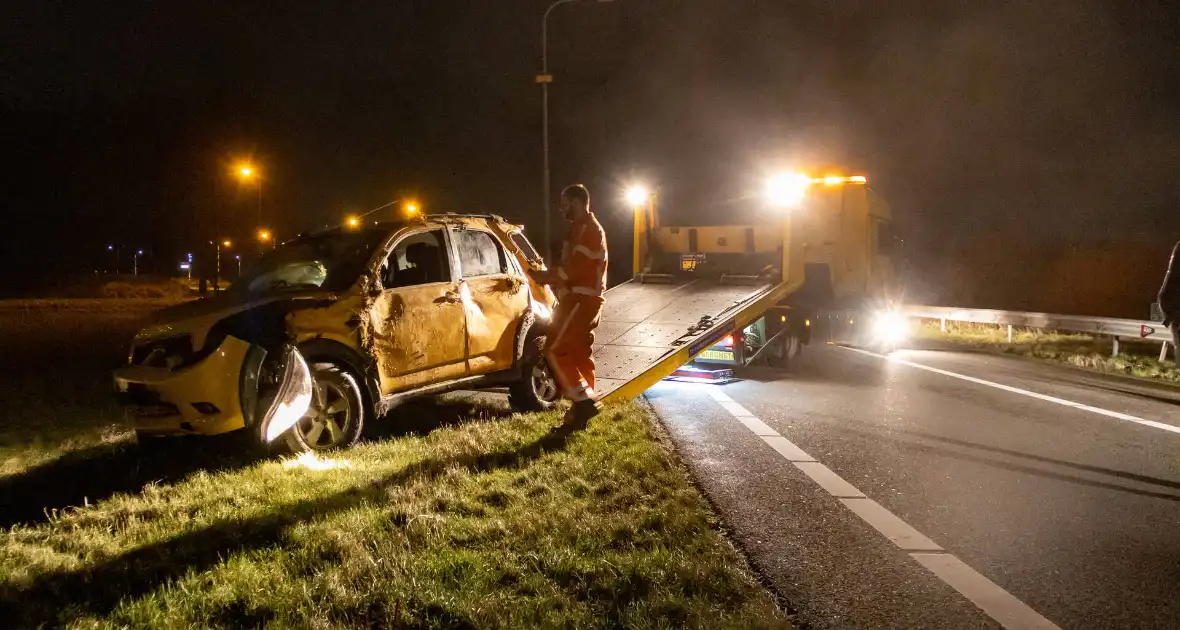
(263, 235)
(190, 256)
(225, 243)
(787, 189)
(140, 252)
(637, 195)
(185, 265)
(110, 248)
(237, 256)
(859, 179)
(411, 208)
(353, 222)
(246, 171)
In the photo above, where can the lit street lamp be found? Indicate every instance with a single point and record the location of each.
(264, 237)
(116, 249)
(238, 257)
(248, 173)
(545, 79)
(138, 253)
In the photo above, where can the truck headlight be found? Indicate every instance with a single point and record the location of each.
(890, 327)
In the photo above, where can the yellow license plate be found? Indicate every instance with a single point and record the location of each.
(717, 355)
(688, 265)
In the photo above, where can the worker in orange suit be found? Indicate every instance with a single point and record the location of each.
(579, 281)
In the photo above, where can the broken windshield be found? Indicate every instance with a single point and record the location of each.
(331, 261)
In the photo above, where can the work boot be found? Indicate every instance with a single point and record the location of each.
(580, 413)
(583, 410)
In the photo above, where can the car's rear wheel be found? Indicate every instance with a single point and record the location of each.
(537, 390)
(336, 416)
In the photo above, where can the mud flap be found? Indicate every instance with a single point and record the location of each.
(292, 399)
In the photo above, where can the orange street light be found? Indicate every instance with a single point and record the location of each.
(412, 208)
(263, 235)
(354, 222)
(246, 172)
(225, 243)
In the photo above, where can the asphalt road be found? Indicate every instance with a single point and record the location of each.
(1066, 505)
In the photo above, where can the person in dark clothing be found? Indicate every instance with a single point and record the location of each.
(1169, 299)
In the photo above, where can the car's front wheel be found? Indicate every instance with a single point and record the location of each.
(537, 390)
(336, 416)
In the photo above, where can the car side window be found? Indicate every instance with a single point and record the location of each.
(417, 259)
(480, 254)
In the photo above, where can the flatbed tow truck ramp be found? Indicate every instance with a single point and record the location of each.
(754, 287)
(649, 330)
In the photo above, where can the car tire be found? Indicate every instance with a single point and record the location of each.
(537, 390)
(336, 417)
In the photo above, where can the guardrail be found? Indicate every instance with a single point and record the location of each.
(1116, 329)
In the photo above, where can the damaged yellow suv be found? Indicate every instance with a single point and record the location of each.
(329, 331)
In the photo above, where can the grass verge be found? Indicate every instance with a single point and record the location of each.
(1136, 358)
(490, 521)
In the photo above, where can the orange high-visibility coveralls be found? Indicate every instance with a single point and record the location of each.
(580, 283)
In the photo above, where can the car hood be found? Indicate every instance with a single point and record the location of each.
(198, 316)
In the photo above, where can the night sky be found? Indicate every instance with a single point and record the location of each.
(999, 132)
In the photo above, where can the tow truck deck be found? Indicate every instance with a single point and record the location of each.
(649, 330)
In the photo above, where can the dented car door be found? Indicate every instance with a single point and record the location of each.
(495, 296)
(418, 321)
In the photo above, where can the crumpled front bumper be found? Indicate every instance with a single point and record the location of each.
(203, 399)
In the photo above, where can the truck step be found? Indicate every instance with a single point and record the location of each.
(691, 374)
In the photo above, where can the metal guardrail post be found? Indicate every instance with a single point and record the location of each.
(942, 324)
(1009, 333)
(1163, 352)
(1114, 346)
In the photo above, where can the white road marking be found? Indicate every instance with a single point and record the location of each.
(828, 480)
(757, 426)
(1024, 392)
(1000, 605)
(785, 447)
(735, 409)
(993, 600)
(890, 525)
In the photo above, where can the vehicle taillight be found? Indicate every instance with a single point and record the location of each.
(728, 341)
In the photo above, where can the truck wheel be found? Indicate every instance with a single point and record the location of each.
(336, 417)
(785, 351)
(537, 390)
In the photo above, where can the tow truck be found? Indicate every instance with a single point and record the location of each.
(729, 295)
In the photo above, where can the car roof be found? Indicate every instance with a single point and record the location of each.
(449, 218)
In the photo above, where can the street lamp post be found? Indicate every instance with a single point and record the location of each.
(217, 274)
(545, 79)
(138, 253)
(115, 248)
(238, 257)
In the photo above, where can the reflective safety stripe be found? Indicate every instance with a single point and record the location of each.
(585, 251)
(586, 291)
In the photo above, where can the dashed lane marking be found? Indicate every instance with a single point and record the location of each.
(1024, 392)
(993, 600)
(1000, 605)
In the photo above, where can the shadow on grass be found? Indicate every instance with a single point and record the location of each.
(97, 473)
(60, 597)
(421, 417)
